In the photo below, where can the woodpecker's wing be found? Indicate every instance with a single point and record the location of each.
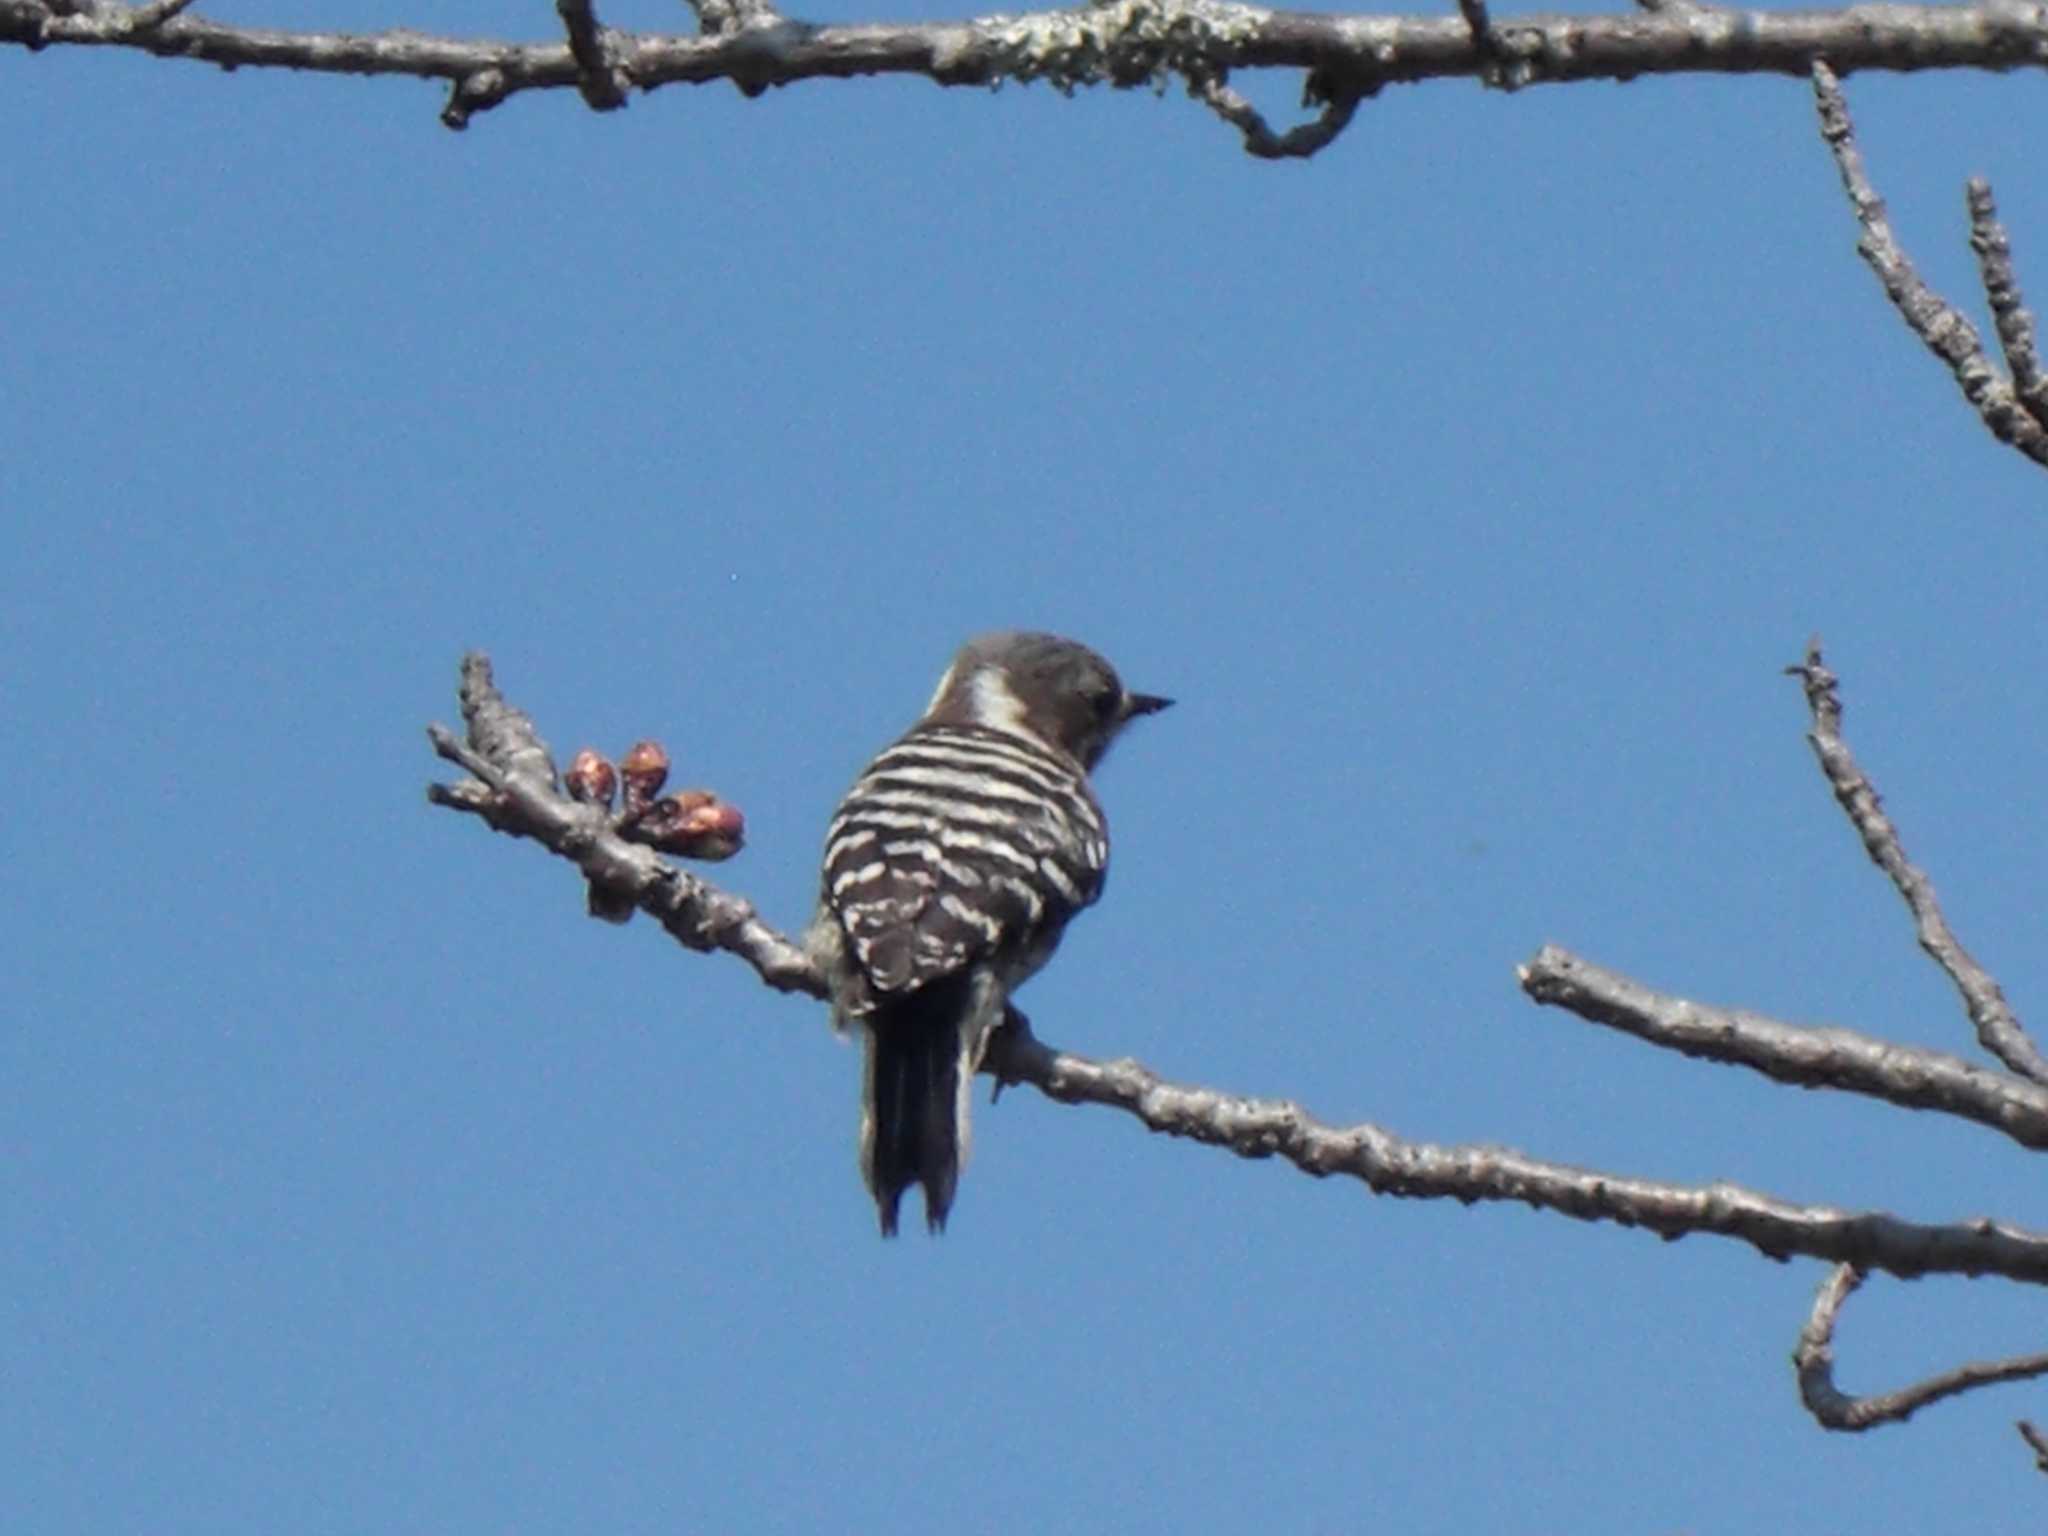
(959, 842)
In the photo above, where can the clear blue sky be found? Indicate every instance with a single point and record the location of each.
(1469, 486)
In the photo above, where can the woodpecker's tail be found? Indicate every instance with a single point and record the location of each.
(922, 1053)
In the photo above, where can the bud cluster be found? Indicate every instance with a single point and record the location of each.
(692, 823)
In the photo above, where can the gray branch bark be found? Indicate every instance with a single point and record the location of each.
(1119, 43)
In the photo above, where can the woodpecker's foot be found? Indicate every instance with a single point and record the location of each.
(1014, 1031)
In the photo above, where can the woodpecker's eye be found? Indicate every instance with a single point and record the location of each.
(1106, 704)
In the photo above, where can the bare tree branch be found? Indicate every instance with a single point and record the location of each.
(1390, 1165)
(2014, 416)
(514, 789)
(1790, 1053)
(1119, 43)
(1998, 1028)
(1833, 1409)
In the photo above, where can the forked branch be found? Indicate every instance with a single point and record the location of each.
(2013, 405)
(1841, 1059)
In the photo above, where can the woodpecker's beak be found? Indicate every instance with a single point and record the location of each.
(1144, 704)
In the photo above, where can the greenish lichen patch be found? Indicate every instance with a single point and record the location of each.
(1122, 42)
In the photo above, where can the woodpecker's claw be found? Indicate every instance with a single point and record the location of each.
(1018, 1028)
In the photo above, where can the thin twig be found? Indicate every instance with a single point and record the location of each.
(1790, 1053)
(1932, 318)
(1998, 1028)
(2015, 325)
(2037, 1442)
(1260, 141)
(1814, 1359)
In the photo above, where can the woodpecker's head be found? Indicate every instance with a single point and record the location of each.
(1054, 689)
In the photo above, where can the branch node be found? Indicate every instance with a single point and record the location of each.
(599, 79)
(1819, 684)
(150, 16)
(1486, 45)
(471, 94)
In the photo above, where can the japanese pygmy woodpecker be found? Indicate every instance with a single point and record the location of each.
(951, 868)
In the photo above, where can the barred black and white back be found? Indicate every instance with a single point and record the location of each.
(951, 870)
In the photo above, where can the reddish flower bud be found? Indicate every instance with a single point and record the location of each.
(645, 770)
(695, 824)
(591, 779)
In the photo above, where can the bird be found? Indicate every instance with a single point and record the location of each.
(951, 868)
